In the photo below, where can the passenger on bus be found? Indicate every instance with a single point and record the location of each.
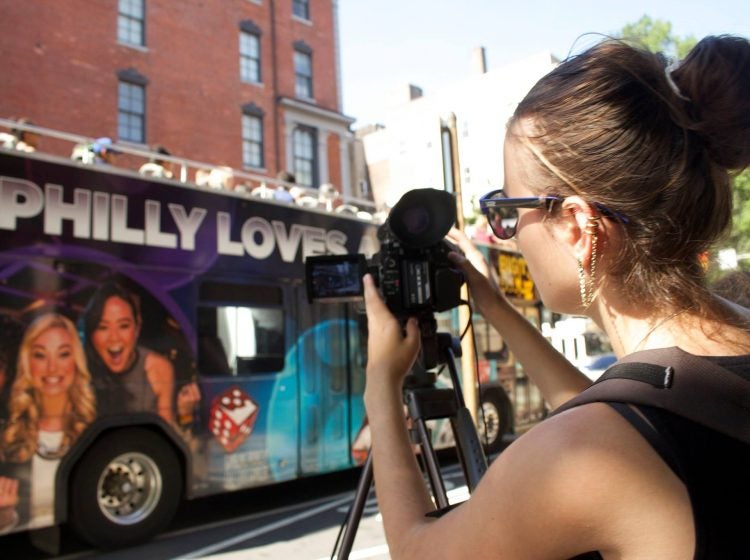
(51, 403)
(20, 139)
(157, 167)
(616, 181)
(100, 151)
(221, 178)
(128, 377)
(286, 182)
(329, 197)
(104, 152)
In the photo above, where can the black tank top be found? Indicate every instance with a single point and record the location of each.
(715, 469)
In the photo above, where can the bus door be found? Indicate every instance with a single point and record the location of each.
(331, 383)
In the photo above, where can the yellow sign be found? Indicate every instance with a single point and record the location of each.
(515, 280)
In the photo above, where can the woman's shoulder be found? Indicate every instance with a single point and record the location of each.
(577, 431)
(155, 362)
(592, 469)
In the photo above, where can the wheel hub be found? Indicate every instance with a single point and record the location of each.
(129, 488)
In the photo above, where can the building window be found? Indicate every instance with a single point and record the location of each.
(303, 78)
(131, 22)
(249, 52)
(301, 9)
(252, 136)
(131, 106)
(305, 153)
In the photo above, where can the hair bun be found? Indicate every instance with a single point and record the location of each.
(715, 77)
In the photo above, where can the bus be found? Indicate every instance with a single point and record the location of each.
(158, 345)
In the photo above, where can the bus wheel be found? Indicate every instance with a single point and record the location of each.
(125, 489)
(495, 419)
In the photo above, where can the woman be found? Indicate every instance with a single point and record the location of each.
(616, 182)
(51, 403)
(127, 376)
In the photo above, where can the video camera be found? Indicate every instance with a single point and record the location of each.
(411, 269)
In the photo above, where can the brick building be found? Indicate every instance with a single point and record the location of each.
(251, 84)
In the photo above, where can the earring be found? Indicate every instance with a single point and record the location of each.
(588, 287)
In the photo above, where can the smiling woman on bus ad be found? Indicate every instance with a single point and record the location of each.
(128, 377)
(51, 403)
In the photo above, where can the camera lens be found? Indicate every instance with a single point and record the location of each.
(416, 220)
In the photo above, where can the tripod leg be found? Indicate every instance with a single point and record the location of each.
(431, 464)
(470, 449)
(355, 512)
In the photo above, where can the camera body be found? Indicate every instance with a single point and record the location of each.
(411, 269)
(415, 279)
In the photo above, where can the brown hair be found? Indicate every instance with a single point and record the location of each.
(607, 125)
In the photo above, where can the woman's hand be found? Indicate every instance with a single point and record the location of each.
(8, 501)
(187, 400)
(484, 289)
(391, 350)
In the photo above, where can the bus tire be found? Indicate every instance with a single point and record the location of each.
(495, 419)
(125, 489)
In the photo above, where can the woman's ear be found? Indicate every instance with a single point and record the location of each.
(582, 226)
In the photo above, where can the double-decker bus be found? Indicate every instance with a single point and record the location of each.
(157, 344)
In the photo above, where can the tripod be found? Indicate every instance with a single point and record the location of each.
(426, 402)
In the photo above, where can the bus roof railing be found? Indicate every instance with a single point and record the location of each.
(218, 177)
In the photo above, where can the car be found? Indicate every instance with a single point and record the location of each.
(596, 365)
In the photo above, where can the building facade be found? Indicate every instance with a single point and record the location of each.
(453, 138)
(250, 84)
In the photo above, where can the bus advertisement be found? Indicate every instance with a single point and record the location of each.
(158, 345)
(157, 342)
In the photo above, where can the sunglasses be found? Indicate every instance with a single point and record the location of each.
(502, 212)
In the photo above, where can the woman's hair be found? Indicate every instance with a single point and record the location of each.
(607, 125)
(19, 440)
(94, 311)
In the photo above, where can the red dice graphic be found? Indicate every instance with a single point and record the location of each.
(233, 414)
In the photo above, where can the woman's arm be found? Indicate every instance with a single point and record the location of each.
(402, 495)
(556, 377)
(542, 482)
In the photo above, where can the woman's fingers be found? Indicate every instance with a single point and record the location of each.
(391, 347)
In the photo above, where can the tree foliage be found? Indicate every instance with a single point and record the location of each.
(739, 238)
(656, 35)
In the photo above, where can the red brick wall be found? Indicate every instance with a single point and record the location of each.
(59, 63)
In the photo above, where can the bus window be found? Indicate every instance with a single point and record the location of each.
(238, 340)
(490, 345)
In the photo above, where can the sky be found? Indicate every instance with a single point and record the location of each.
(387, 44)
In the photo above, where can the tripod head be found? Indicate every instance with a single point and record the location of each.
(438, 348)
(434, 343)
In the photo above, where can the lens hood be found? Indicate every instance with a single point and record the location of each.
(422, 217)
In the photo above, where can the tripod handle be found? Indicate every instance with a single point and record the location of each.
(473, 459)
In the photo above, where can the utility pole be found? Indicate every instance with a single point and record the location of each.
(452, 180)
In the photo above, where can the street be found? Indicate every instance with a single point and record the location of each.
(299, 520)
